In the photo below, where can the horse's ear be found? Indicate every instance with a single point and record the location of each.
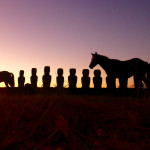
(92, 54)
(96, 53)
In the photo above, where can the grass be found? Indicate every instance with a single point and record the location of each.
(67, 122)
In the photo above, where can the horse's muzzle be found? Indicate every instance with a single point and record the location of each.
(90, 67)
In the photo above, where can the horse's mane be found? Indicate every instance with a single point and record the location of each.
(105, 57)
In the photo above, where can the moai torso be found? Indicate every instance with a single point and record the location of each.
(34, 78)
(21, 79)
(72, 79)
(60, 78)
(97, 79)
(46, 77)
(85, 79)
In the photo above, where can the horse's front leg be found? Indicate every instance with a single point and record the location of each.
(123, 82)
(6, 84)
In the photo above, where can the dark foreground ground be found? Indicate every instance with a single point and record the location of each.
(74, 122)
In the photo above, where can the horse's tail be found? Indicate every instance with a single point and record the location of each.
(148, 76)
(12, 80)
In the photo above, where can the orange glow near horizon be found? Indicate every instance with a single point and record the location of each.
(66, 74)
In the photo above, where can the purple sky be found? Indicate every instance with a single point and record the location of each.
(63, 33)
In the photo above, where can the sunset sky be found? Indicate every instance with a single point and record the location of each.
(63, 33)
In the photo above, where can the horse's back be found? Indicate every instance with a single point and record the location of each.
(139, 65)
(128, 68)
(4, 75)
(139, 62)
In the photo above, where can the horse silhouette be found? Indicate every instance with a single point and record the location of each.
(7, 78)
(122, 69)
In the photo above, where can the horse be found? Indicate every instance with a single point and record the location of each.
(122, 69)
(7, 78)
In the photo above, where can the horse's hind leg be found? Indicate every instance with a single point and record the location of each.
(147, 82)
(148, 77)
(137, 82)
(139, 85)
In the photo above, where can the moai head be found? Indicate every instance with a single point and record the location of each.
(60, 71)
(21, 73)
(47, 69)
(34, 70)
(97, 73)
(72, 72)
(85, 72)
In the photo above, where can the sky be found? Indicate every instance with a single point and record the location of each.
(64, 33)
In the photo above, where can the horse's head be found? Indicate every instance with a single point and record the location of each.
(94, 61)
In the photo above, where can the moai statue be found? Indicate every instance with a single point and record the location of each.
(85, 79)
(46, 77)
(21, 79)
(97, 79)
(111, 82)
(34, 78)
(123, 83)
(72, 79)
(60, 78)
